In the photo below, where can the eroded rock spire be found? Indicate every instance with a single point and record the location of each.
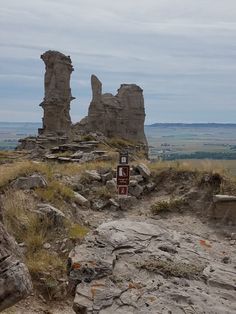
(57, 97)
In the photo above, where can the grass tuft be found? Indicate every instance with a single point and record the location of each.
(172, 268)
(167, 206)
(77, 231)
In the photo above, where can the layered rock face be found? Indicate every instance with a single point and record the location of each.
(15, 282)
(57, 98)
(119, 116)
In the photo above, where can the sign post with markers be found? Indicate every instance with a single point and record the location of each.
(123, 174)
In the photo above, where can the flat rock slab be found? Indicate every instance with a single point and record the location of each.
(130, 266)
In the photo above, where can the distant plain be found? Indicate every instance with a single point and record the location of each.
(166, 141)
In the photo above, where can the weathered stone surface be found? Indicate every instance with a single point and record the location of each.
(137, 178)
(93, 175)
(79, 199)
(127, 202)
(111, 186)
(114, 205)
(119, 116)
(144, 171)
(136, 190)
(98, 204)
(107, 176)
(57, 97)
(31, 182)
(130, 266)
(150, 186)
(55, 215)
(223, 208)
(15, 282)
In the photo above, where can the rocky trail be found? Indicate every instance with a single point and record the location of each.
(138, 263)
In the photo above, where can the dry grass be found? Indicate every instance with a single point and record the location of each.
(21, 222)
(42, 261)
(103, 192)
(210, 166)
(167, 206)
(77, 231)
(120, 143)
(9, 172)
(172, 268)
(56, 193)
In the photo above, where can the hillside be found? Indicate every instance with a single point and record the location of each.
(49, 207)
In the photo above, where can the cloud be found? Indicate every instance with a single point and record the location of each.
(181, 52)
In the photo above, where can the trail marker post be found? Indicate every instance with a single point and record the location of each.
(123, 174)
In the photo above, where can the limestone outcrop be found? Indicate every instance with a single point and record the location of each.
(57, 98)
(15, 282)
(120, 116)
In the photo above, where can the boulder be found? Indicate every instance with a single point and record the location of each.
(56, 216)
(31, 182)
(144, 171)
(127, 202)
(114, 205)
(98, 204)
(111, 186)
(135, 190)
(15, 281)
(150, 186)
(81, 200)
(93, 175)
(137, 178)
(107, 176)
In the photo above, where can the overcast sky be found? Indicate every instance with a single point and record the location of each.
(181, 52)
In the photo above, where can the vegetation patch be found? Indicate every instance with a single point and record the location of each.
(172, 268)
(56, 193)
(42, 261)
(77, 231)
(120, 143)
(103, 192)
(167, 206)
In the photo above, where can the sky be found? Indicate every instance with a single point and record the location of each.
(181, 52)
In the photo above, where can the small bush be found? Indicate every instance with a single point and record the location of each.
(167, 206)
(42, 261)
(103, 192)
(172, 268)
(55, 193)
(77, 231)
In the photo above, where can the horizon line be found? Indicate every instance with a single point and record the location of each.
(190, 123)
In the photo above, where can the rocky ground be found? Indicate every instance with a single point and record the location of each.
(199, 275)
(157, 251)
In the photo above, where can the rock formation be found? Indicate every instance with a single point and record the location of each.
(120, 116)
(57, 98)
(15, 282)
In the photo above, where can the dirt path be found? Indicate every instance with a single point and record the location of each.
(216, 237)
